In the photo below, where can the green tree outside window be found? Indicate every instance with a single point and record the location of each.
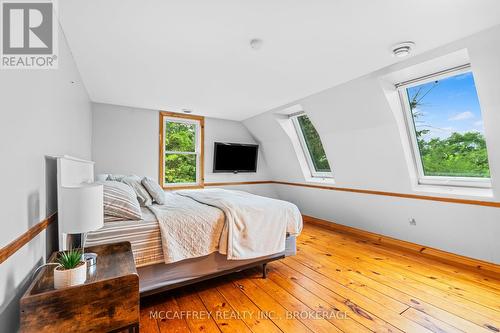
(180, 152)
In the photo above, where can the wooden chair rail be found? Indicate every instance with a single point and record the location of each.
(363, 191)
(15, 245)
(22, 240)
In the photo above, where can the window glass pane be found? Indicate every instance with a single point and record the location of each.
(314, 145)
(180, 168)
(180, 136)
(449, 127)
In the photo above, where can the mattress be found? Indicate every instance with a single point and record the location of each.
(143, 235)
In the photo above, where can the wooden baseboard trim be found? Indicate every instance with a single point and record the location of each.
(19, 242)
(484, 267)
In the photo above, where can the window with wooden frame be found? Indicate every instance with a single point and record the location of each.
(181, 150)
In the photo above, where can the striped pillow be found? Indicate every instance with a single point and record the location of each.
(120, 201)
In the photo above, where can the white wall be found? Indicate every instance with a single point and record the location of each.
(125, 141)
(364, 146)
(42, 113)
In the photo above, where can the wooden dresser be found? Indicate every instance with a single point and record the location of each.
(108, 301)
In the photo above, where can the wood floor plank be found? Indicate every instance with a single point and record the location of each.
(427, 274)
(295, 308)
(380, 288)
(370, 309)
(455, 270)
(196, 314)
(407, 299)
(427, 284)
(368, 289)
(377, 268)
(170, 317)
(429, 322)
(146, 323)
(459, 274)
(227, 319)
(346, 323)
(396, 282)
(273, 309)
(251, 314)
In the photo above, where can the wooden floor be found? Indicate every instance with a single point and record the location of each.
(336, 283)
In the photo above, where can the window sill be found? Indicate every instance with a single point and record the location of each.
(455, 191)
(318, 180)
(182, 187)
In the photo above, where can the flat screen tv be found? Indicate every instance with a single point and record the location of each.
(235, 157)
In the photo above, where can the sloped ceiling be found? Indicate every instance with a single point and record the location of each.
(170, 55)
(363, 144)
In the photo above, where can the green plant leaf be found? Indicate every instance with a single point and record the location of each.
(70, 259)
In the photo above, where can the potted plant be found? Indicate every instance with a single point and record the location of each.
(71, 271)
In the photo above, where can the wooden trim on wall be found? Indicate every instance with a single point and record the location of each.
(353, 190)
(255, 182)
(19, 242)
(394, 194)
(161, 170)
(484, 267)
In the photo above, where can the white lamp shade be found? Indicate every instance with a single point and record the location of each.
(82, 208)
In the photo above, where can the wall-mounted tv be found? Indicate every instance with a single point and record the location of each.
(235, 157)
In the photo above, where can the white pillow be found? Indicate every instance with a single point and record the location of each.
(101, 177)
(142, 194)
(154, 190)
(115, 177)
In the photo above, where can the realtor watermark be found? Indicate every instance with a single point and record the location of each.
(29, 37)
(241, 315)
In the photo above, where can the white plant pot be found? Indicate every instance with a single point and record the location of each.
(64, 278)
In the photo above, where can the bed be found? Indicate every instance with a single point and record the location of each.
(154, 274)
(200, 234)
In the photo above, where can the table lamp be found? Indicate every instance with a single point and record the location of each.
(81, 212)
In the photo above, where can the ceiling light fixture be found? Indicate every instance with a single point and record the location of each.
(256, 44)
(402, 49)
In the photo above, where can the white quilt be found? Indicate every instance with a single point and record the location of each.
(188, 228)
(255, 226)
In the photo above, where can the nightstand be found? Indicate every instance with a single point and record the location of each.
(108, 301)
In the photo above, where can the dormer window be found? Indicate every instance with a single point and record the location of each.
(312, 147)
(445, 127)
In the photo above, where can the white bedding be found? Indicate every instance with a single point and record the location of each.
(185, 228)
(188, 228)
(255, 226)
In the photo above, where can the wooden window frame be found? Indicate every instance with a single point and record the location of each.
(200, 166)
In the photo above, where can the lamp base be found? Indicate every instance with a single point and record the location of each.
(90, 258)
(73, 241)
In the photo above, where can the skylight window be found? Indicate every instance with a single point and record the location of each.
(446, 129)
(312, 147)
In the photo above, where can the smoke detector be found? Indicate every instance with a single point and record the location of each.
(402, 49)
(256, 43)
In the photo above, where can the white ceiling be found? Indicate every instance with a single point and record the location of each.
(169, 55)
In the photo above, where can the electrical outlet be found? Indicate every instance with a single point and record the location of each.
(412, 221)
